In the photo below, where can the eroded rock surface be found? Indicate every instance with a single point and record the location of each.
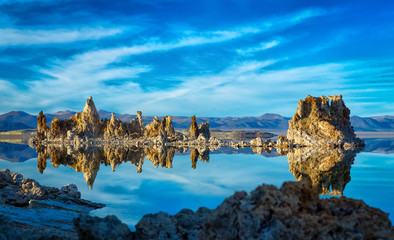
(86, 126)
(199, 130)
(292, 212)
(33, 211)
(322, 121)
(96, 228)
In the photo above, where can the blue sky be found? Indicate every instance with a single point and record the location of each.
(209, 58)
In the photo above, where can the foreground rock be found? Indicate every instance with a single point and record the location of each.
(32, 211)
(322, 121)
(292, 212)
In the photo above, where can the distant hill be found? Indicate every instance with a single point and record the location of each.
(268, 122)
(380, 123)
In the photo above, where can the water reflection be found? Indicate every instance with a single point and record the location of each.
(88, 160)
(329, 169)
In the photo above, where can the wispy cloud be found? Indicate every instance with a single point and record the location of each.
(12, 37)
(262, 46)
(225, 91)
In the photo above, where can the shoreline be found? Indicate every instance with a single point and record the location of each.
(242, 210)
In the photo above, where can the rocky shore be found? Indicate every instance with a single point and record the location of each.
(29, 210)
(295, 211)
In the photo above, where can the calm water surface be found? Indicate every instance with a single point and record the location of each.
(130, 195)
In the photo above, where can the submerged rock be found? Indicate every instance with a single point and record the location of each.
(322, 121)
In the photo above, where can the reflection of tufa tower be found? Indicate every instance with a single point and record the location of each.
(329, 169)
(88, 160)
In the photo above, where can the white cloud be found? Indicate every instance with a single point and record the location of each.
(12, 37)
(85, 74)
(261, 47)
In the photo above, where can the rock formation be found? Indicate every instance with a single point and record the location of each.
(97, 228)
(87, 125)
(199, 130)
(88, 122)
(322, 122)
(193, 128)
(328, 169)
(292, 212)
(29, 210)
(203, 130)
(161, 129)
(42, 127)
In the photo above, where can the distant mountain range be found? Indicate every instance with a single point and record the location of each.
(16, 120)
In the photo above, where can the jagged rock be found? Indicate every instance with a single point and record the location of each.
(203, 129)
(97, 228)
(155, 129)
(282, 142)
(42, 128)
(328, 169)
(257, 142)
(322, 122)
(292, 212)
(29, 210)
(115, 128)
(70, 190)
(193, 128)
(169, 128)
(136, 127)
(87, 123)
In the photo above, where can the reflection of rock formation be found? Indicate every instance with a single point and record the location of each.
(322, 121)
(88, 160)
(202, 154)
(329, 169)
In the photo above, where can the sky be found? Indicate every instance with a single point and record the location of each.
(208, 58)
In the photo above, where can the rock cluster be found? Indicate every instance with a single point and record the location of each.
(292, 212)
(322, 121)
(87, 125)
(34, 211)
(161, 129)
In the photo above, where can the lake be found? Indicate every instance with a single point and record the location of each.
(136, 182)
